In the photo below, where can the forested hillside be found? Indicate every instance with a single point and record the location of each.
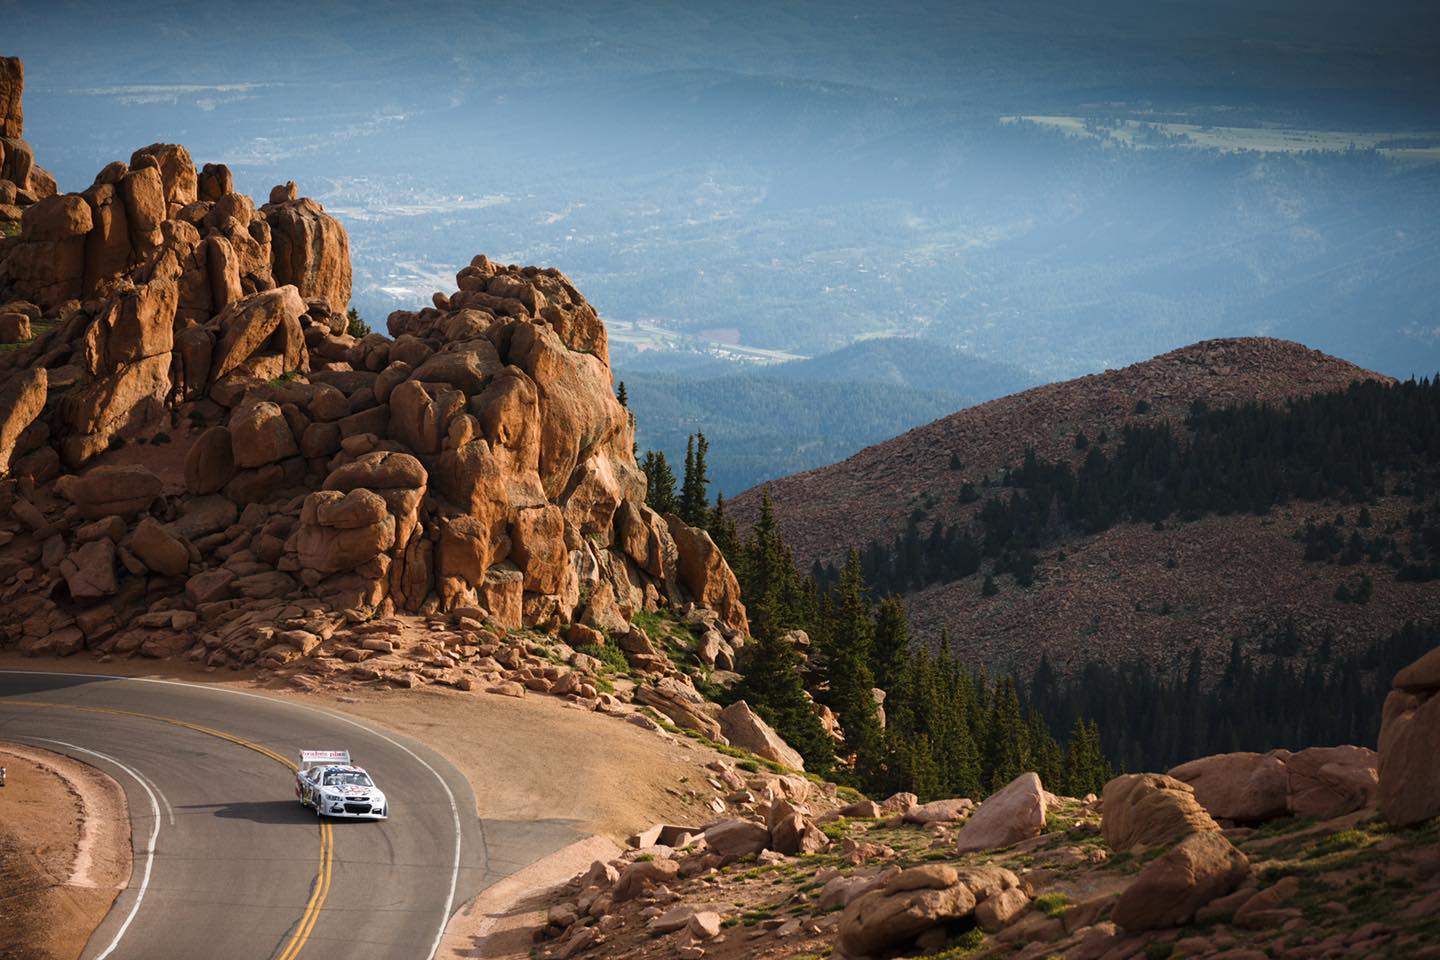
(1253, 570)
(784, 418)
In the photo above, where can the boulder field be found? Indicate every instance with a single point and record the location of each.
(1242, 856)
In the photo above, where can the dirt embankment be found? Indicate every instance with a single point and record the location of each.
(64, 852)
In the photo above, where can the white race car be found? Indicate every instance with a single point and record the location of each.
(328, 783)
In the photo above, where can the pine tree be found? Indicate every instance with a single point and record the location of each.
(892, 639)
(1086, 770)
(723, 531)
(848, 652)
(1004, 737)
(622, 396)
(771, 684)
(1042, 752)
(694, 488)
(659, 482)
(774, 597)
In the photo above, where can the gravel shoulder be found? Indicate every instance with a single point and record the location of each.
(65, 844)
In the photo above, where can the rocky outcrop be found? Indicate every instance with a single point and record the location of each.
(475, 468)
(23, 182)
(22, 398)
(1321, 782)
(1245, 787)
(1325, 782)
(1409, 776)
(12, 89)
(1170, 890)
(310, 250)
(1144, 809)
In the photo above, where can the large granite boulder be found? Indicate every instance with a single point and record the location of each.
(1409, 774)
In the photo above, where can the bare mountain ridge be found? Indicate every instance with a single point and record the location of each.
(823, 512)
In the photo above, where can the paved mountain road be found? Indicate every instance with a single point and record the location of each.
(227, 863)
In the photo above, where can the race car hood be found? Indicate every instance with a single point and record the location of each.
(351, 790)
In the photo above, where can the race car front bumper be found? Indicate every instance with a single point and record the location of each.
(355, 810)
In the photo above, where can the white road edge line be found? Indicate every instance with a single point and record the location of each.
(454, 816)
(450, 795)
(164, 801)
(149, 848)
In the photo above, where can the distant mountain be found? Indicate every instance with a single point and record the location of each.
(1133, 590)
(794, 416)
(909, 362)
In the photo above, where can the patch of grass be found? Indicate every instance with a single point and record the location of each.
(752, 917)
(836, 830)
(8, 229)
(1336, 842)
(38, 329)
(1052, 904)
(650, 621)
(1344, 860)
(1281, 826)
(965, 945)
(645, 858)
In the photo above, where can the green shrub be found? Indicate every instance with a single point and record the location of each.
(964, 945)
(354, 326)
(1052, 904)
(609, 655)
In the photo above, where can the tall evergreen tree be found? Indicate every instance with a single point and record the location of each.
(622, 395)
(774, 597)
(659, 482)
(771, 684)
(892, 637)
(723, 531)
(694, 488)
(1042, 753)
(1004, 737)
(847, 653)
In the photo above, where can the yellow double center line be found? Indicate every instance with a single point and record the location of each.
(321, 889)
(317, 896)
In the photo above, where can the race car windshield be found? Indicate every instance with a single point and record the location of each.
(346, 778)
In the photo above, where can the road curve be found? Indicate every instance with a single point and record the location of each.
(228, 864)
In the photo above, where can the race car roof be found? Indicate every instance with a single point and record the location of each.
(314, 757)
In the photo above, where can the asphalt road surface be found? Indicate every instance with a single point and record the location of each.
(228, 864)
